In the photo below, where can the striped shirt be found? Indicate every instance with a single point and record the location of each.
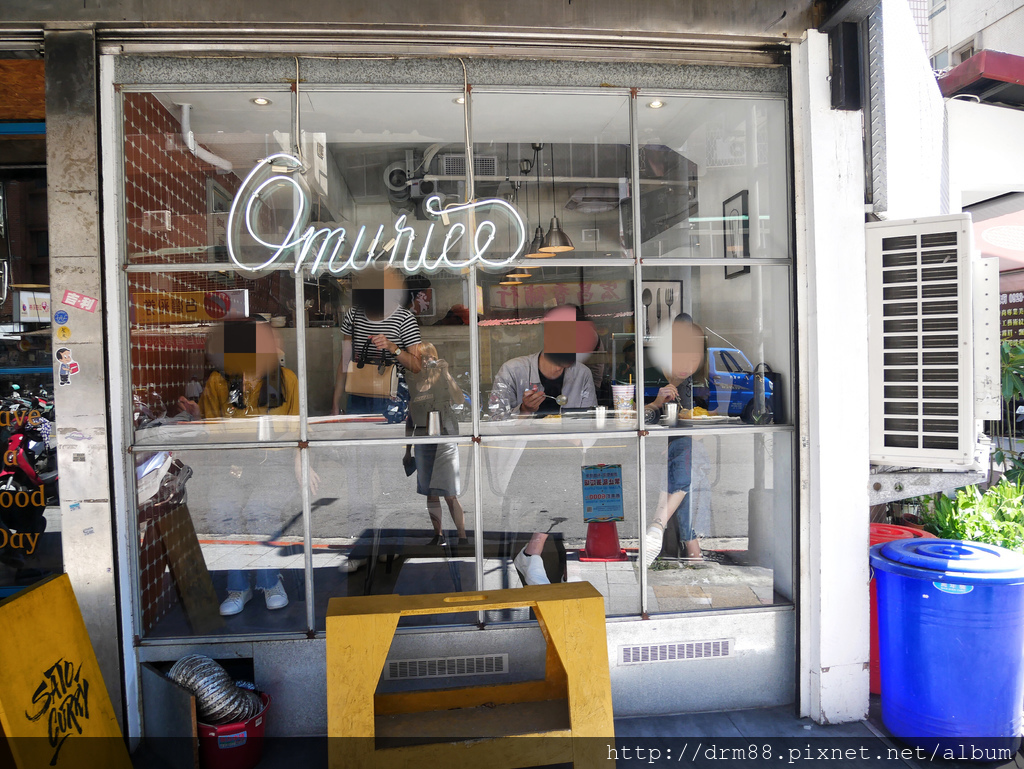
(399, 327)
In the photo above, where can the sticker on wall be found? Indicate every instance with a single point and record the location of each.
(63, 333)
(81, 301)
(67, 366)
(60, 317)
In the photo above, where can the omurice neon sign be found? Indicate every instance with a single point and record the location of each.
(338, 251)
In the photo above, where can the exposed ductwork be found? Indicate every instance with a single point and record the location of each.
(195, 148)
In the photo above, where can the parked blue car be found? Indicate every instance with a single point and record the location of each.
(732, 385)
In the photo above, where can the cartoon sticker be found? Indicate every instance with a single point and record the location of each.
(81, 301)
(60, 317)
(63, 333)
(67, 366)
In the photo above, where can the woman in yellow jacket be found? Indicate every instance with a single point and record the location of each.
(247, 380)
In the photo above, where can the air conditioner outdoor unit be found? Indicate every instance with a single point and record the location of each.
(933, 343)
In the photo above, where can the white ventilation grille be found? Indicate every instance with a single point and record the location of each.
(455, 165)
(919, 301)
(673, 652)
(447, 667)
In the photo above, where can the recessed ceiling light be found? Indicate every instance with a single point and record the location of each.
(459, 100)
(656, 104)
(261, 101)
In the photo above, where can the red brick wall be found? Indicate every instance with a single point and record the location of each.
(162, 175)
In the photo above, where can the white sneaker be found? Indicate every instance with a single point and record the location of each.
(275, 596)
(235, 602)
(351, 564)
(653, 541)
(531, 568)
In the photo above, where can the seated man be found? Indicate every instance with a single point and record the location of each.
(543, 382)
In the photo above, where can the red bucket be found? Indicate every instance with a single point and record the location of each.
(234, 746)
(885, 532)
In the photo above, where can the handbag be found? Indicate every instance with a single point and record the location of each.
(372, 378)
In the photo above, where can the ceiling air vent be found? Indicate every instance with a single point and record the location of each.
(455, 165)
(675, 652)
(919, 301)
(447, 667)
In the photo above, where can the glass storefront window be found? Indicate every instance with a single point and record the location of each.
(564, 159)
(205, 358)
(220, 538)
(539, 495)
(723, 500)
(714, 178)
(388, 518)
(559, 336)
(262, 271)
(719, 348)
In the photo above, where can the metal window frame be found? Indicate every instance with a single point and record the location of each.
(117, 272)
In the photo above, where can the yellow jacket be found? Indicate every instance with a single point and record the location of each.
(214, 400)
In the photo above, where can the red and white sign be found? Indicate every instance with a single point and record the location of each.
(81, 301)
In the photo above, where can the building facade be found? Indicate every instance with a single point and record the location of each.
(229, 192)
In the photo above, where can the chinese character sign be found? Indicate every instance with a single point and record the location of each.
(602, 493)
(1011, 307)
(190, 306)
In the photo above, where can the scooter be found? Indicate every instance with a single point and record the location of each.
(26, 486)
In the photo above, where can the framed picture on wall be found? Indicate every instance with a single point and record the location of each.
(736, 227)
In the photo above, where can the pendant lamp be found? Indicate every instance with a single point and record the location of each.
(533, 250)
(556, 241)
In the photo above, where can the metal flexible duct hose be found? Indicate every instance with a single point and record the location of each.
(218, 699)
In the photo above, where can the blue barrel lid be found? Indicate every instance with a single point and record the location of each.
(949, 560)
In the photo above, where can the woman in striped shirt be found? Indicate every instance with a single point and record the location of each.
(378, 315)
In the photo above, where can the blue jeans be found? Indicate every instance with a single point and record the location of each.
(680, 462)
(265, 579)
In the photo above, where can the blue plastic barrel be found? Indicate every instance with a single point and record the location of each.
(950, 643)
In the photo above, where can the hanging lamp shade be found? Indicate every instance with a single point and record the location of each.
(556, 241)
(533, 250)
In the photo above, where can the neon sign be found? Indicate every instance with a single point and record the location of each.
(325, 246)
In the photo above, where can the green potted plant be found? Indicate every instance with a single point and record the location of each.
(995, 517)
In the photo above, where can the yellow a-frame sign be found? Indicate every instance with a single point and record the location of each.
(54, 707)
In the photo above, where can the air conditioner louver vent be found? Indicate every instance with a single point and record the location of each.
(455, 165)
(447, 667)
(919, 302)
(674, 652)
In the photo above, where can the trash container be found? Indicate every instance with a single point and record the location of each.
(880, 533)
(950, 639)
(237, 745)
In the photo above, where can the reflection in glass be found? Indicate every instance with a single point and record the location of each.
(411, 309)
(747, 370)
(220, 542)
(713, 179)
(565, 154)
(201, 355)
(729, 541)
(529, 357)
(535, 516)
(384, 524)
